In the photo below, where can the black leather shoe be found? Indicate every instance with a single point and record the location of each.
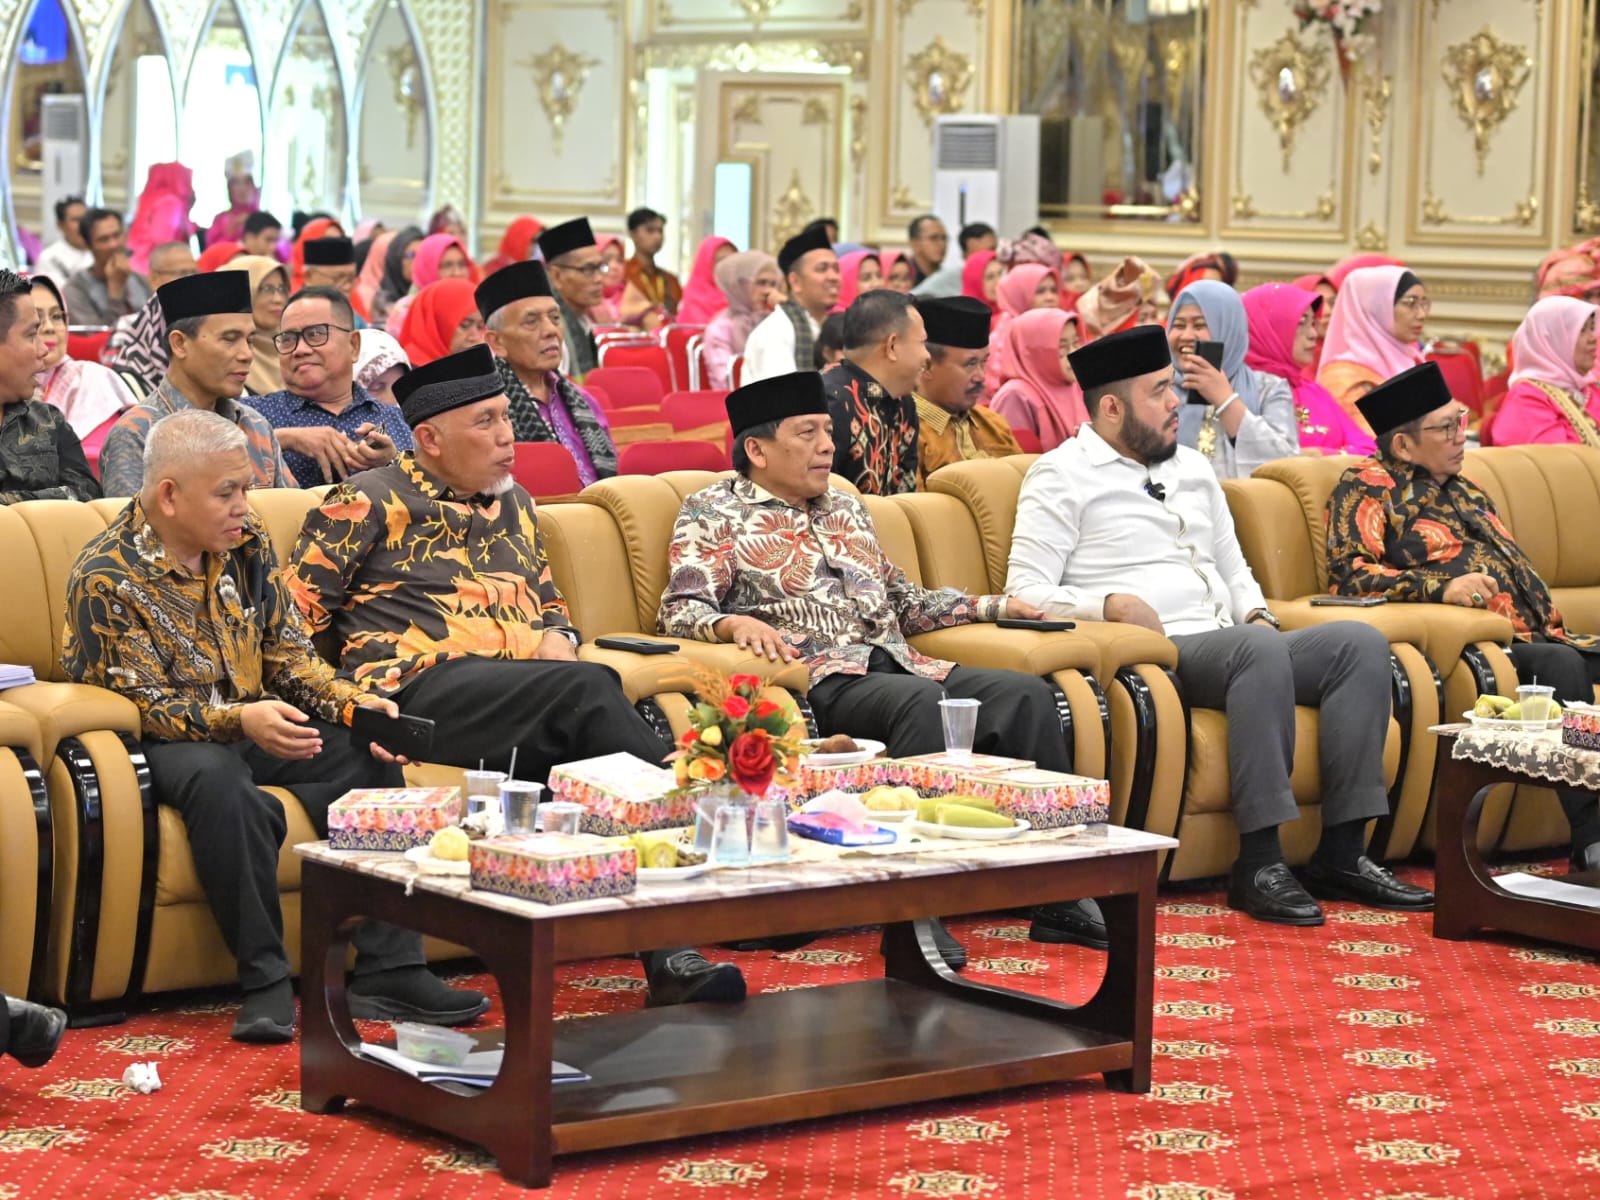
(952, 951)
(1271, 893)
(267, 1016)
(1368, 884)
(687, 978)
(35, 1031)
(1585, 860)
(1077, 921)
(413, 994)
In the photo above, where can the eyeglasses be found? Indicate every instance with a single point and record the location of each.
(1413, 304)
(272, 289)
(313, 335)
(1452, 430)
(588, 270)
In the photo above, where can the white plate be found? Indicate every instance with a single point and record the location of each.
(429, 865)
(1511, 726)
(672, 874)
(869, 751)
(892, 815)
(969, 833)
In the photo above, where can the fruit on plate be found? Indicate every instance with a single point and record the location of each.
(656, 853)
(449, 845)
(976, 818)
(839, 743)
(890, 799)
(928, 810)
(1491, 706)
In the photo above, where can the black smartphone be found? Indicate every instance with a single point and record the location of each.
(636, 645)
(1348, 601)
(1038, 626)
(407, 737)
(1211, 352)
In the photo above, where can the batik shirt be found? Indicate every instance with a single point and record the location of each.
(40, 456)
(409, 574)
(1395, 531)
(192, 648)
(815, 574)
(122, 455)
(874, 433)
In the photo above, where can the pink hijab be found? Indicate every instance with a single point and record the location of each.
(163, 213)
(1543, 345)
(850, 276)
(371, 277)
(702, 298)
(1340, 271)
(1274, 311)
(425, 267)
(1017, 286)
(1362, 329)
(1036, 394)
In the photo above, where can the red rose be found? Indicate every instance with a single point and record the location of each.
(764, 709)
(744, 683)
(689, 737)
(736, 708)
(751, 761)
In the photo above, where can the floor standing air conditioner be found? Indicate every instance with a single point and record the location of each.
(986, 168)
(64, 129)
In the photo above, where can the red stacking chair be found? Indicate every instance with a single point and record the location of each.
(1462, 375)
(622, 418)
(679, 343)
(627, 387)
(1028, 440)
(647, 355)
(654, 458)
(694, 410)
(547, 470)
(736, 370)
(86, 347)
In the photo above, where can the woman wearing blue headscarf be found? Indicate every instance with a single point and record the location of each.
(1237, 417)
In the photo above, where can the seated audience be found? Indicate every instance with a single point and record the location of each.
(169, 261)
(1123, 523)
(137, 349)
(379, 363)
(1075, 276)
(438, 256)
(1553, 396)
(870, 394)
(524, 331)
(830, 343)
(1283, 343)
(40, 457)
(652, 294)
(69, 253)
(179, 606)
(1019, 290)
(844, 610)
(950, 279)
(897, 273)
(108, 287)
(208, 321)
(477, 638)
(578, 274)
(930, 242)
(244, 197)
(980, 280)
(1236, 417)
(374, 263)
(269, 291)
(1034, 248)
(399, 264)
(327, 426)
(331, 262)
(703, 297)
(782, 343)
(1040, 392)
(516, 244)
(1129, 296)
(30, 1033)
(859, 271)
(442, 319)
(953, 424)
(748, 280)
(262, 231)
(613, 256)
(1408, 525)
(162, 214)
(90, 396)
(1373, 334)
(315, 227)
(1216, 266)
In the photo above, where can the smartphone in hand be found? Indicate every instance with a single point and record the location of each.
(404, 737)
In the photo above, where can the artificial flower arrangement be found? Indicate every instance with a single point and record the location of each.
(735, 735)
(1346, 21)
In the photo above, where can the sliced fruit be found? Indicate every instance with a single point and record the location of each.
(976, 818)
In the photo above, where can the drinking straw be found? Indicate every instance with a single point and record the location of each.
(511, 773)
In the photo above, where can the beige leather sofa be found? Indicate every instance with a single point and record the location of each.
(26, 856)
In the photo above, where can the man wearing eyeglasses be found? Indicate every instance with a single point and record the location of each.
(578, 274)
(326, 423)
(209, 323)
(1408, 525)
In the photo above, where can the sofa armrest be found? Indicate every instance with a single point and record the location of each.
(1446, 629)
(1123, 645)
(989, 647)
(723, 657)
(1397, 622)
(643, 675)
(67, 710)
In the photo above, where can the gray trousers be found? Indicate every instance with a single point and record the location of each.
(1257, 675)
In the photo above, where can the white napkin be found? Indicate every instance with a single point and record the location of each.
(142, 1078)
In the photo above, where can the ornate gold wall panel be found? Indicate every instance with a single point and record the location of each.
(741, 19)
(793, 133)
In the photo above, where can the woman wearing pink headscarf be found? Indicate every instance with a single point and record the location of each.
(748, 281)
(1340, 271)
(244, 198)
(1553, 396)
(163, 213)
(1373, 335)
(1283, 340)
(371, 277)
(859, 271)
(439, 256)
(615, 254)
(91, 397)
(1020, 289)
(980, 280)
(1040, 391)
(702, 298)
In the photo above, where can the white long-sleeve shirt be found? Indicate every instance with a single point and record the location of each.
(769, 350)
(1087, 528)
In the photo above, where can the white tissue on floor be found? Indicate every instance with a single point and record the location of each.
(142, 1078)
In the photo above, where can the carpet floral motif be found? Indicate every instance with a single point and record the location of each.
(465, 1160)
(1182, 1141)
(40, 1137)
(959, 1131)
(1395, 1102)
(1377, 983)
(1572, 1027)
(1185, 1092)
(1560, 991)
(713, 1173)
(88, 1089)
(1193, 941)
(1407, 1152)
(1182, 1049)
(1193, 974)
(1177, 1191)
(251, 1150)
(1010, 966)
(1380, 1018)
(1390, 1060)
(943, 1183)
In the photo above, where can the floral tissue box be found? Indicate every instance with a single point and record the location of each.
(943, 774)
(1580, 726)
(621, 794)
(552, 868)
(1046, 799)
(391, 818)
(810, 782)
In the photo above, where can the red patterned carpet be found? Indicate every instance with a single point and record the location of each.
(1360, 1060)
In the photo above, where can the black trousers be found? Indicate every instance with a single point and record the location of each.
(1573, 674)
(235, 830)
(1018, 718)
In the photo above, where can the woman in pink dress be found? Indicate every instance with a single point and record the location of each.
(748, 280)
(1030, 286)
(1553, 396)
(90, 396)
(1374, 333)
(163, 213)
(1040, 391)
(702, 298)
(1283, 342)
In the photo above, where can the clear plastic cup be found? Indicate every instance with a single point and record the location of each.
(769, 835)
(561, 816)
(730, 835)
(1537, 701)
(960, 721)
(520, 801)
(482, 789)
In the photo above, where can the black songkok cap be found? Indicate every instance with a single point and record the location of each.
(796, 395)
(565, 238)
(205, 295)
(446, 383)
(330, 252)
(957, 321)
(801, 244)
(510, 284)
(1411, 394)
(1142, 350)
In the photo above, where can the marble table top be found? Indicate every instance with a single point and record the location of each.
(831, 868)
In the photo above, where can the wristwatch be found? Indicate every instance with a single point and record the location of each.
(568, 632)
(1262, 614)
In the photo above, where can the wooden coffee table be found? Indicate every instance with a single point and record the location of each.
(919, 1033)
(1467, 899)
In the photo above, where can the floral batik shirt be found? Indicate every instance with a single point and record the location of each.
(192, 648)
(815, 574)
(408, 574)
(1396, 531)
(874, 433)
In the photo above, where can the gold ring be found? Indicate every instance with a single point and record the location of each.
(1477, 597)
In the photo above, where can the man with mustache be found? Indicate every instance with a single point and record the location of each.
(954, 427)
(1121, 523)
